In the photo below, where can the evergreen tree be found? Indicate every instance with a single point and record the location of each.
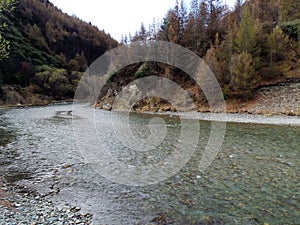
(170, 29)
(238, 10)
(243, 74)
(35, 34)
(201, 29)
(189, 34)
(280, 51)
(289, 10)
(81, 60)
(245, 40)
(216, 12)
(183, 18)
(5, 7)
(163, 34)
(143, 35)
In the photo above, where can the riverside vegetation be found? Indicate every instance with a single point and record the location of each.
(255, 45)
(44, 51)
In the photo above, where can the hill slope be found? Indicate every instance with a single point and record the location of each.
(255, 45)
(48, 48)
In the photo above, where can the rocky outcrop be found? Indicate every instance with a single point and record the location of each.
(279, 99)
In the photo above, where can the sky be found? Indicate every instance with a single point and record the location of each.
(118, 17)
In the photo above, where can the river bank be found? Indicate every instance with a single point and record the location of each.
(16, 96)
(277, 99)
(280, 99)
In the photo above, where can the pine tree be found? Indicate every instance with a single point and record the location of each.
(170, 29)
(81, 60)
(143, 35)
(163, 34)
(238, 10)
(35, 34)
(201, 29)
(189, 34)
(213, 59)
(243, 74)
(216, 12)
(5, 7)
(289, 10)
(245, 41)
(219, 56)
(266, 11)
(183, 18)
(194, 9)
(153, 30)
(280, 53)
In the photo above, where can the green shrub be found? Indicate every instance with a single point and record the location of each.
(142, 71)
(292, 29)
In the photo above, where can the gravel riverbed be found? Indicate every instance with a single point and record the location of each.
(18, 208)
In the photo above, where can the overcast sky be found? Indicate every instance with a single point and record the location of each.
(118, 17)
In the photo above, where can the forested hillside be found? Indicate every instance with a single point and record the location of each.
(48, 49)
(255, 44)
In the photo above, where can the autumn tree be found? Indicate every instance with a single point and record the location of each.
(163, 34)
(35, 34)
(243, 74)
(183, 18)
(245, 40)
(266, 11)
(289, 10)
(201, 29)
(195, 35)
(213, 59)
(238, 11)
(216, 12)
(281, 53)
(53, 81)
(81, 60)
(220, 57)
(6, 6)
(174, 24)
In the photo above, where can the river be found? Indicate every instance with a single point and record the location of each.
(254, 178)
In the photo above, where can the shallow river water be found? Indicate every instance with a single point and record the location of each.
(253, 180)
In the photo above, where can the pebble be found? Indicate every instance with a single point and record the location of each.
(33, 210)
(281, 99)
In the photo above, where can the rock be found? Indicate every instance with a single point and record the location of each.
(17, 205)
(109, 93)
(76, 209)
(27, 207)
(106, 106)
